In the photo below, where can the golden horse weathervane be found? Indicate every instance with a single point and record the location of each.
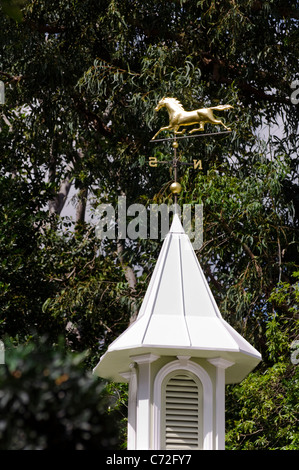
(179, 117)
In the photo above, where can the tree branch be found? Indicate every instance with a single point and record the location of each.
(11, 78)
(284, 11)
(91, 117)
(246, 248)
(57, 203)
(214, 281)
(129, 275)
(81, 206)
(217, 67)
(45, 28)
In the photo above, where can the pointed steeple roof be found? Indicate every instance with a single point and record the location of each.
(179, 316)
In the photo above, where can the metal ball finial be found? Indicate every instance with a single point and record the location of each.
(175, 188)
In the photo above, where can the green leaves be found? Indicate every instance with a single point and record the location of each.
(263, 410)
(283, 326)
(49, 402)
(13, 8)
(81, 81)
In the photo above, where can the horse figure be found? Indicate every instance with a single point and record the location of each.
(179, 117)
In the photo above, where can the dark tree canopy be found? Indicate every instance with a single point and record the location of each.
(81, 83)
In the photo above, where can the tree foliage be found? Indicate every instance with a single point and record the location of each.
(54, 403)
(81, 83)
(263, 410)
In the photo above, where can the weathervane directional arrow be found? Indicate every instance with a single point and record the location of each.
(190, 136)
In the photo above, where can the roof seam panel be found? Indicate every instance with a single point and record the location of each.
(182, 287)
(158, 287)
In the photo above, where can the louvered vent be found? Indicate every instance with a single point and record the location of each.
(182, 420)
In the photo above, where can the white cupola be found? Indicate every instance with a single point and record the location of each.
(177, 357)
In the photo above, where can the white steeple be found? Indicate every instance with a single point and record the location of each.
(179, 317)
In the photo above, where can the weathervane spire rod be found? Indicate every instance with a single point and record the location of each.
(175, 187)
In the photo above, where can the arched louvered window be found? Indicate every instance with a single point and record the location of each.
(182, 411)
